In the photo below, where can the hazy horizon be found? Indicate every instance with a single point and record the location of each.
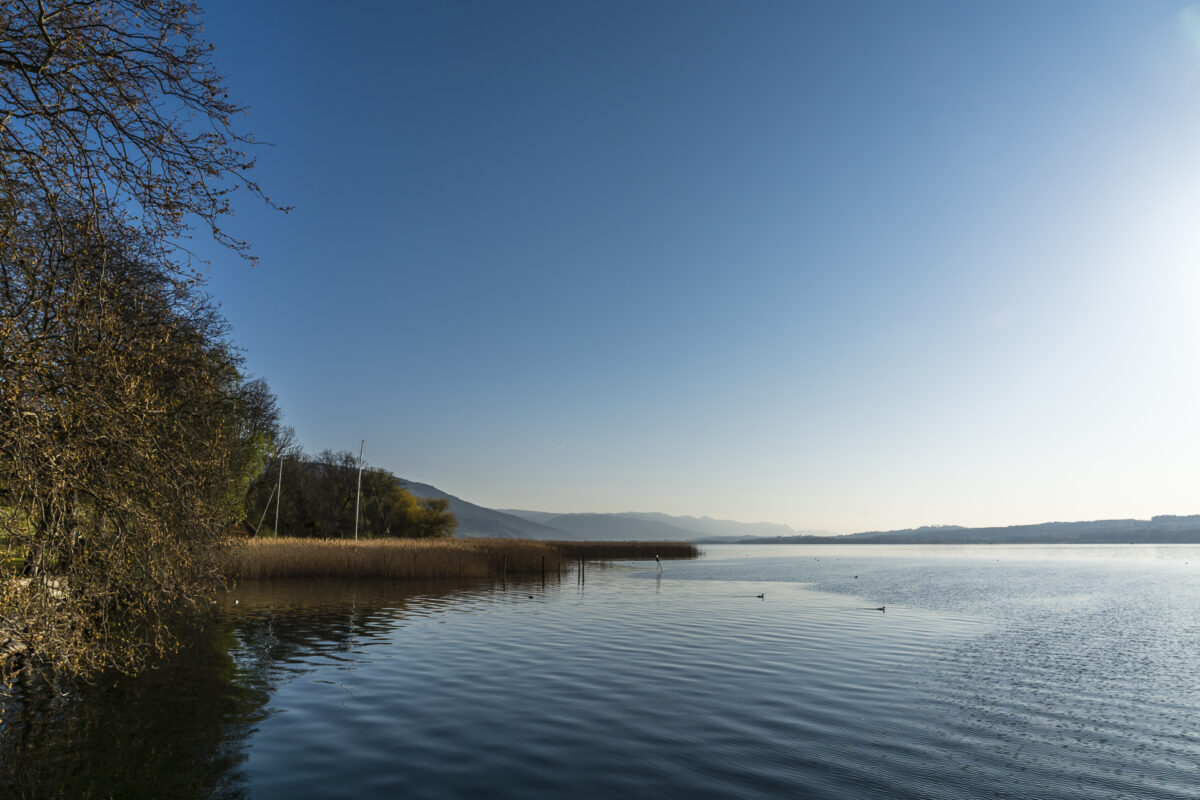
(845, 267)
(813, 531)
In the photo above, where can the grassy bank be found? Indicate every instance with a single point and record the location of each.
(626, 551)
(407, 559)
(424, 559)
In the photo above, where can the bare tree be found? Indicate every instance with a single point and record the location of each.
(114, 106)
(128, 436)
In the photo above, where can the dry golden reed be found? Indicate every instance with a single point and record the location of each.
(409, 559)
(423, 559)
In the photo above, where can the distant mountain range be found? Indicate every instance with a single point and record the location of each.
(651, 526)
(476, 521)
(1163, 529)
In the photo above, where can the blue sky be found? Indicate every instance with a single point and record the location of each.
(844, 266)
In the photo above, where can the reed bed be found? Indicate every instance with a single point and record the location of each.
(626, 551)
(407, 559)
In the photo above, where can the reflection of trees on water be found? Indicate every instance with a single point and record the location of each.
(172, 732)
(182, 730)
(282, 627)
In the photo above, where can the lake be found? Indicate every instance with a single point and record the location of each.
(999, 671)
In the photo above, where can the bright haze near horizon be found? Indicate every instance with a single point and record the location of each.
(843, 266)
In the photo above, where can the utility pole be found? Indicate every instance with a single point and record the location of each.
(358, 497)
(279, 494)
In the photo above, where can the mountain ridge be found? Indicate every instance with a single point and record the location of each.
(477, 521)
(653, 525)
(1160, 529)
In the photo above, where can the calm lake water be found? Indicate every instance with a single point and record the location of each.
(1001, 671)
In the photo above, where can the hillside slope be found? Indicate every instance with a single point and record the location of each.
(652, 526)
(478, 522)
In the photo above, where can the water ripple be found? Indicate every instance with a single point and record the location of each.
(993, 673)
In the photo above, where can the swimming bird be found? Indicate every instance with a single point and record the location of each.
(761, 596)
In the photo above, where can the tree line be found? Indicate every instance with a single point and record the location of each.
(320, 498)
(128, 439)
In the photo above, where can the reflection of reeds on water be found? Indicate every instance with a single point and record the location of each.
(627, 551)
(424, 559)
(308, 597)
(391, 558)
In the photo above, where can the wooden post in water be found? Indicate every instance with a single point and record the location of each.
(543, 572)
(504, 571)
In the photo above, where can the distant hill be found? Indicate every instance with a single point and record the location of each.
(709, 527)
(533, 516)
(1164, 529)
(475, 521)
(478, 522)
(615, 527)
(652, 526)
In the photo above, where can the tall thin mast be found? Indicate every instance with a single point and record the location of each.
(279, 494)
(358, 497)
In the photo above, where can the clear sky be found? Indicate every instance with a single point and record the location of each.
(841, 265)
